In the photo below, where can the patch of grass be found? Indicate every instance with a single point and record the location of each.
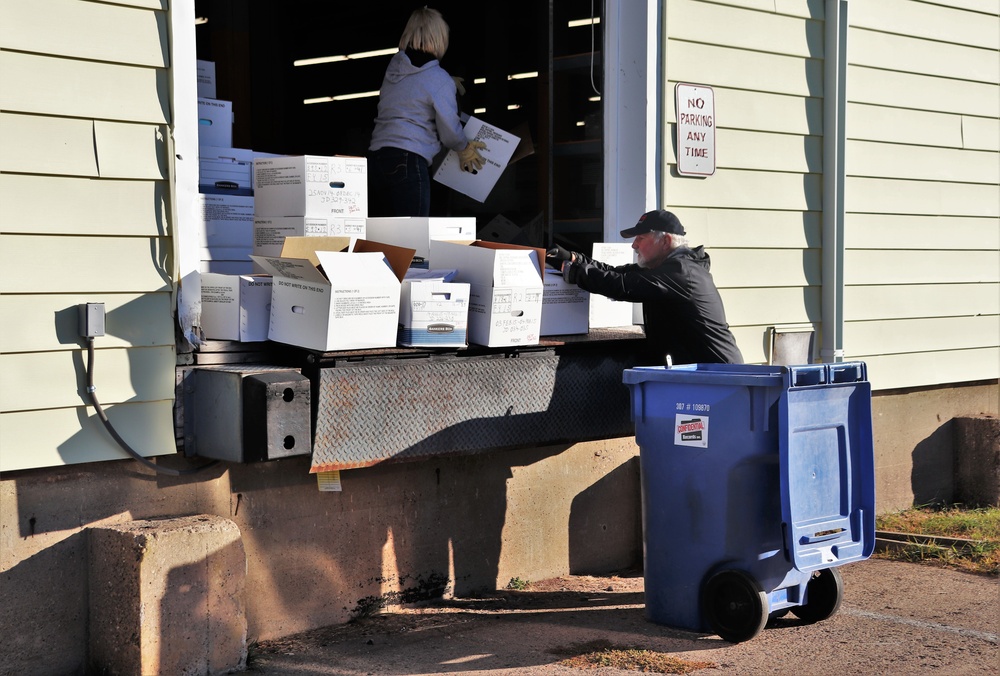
(635, 659)
(518, 584)
(981, 526)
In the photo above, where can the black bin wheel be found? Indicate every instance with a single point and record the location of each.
(735, 605)
(824, 593)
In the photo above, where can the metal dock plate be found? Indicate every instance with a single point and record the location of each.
(407, 409)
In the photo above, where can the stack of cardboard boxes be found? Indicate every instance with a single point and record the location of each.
(290, 255)
(232, 298)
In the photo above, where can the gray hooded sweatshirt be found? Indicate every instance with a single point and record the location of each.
(417, 109)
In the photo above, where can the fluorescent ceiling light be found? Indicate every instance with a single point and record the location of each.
(522, 76)
(374, 52)
(341, 97)
(344, 57)
(200, 20)
(319, 59)
(479, 111)
(594, 98)
(576, 23)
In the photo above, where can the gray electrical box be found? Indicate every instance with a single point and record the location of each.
(247, 415)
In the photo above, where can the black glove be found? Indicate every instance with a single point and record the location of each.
(557, 255)
(571, 273)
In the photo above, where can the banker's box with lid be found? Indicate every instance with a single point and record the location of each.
(757, 481)
(505, 288)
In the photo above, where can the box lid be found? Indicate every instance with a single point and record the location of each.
(356, 267)
(299, 269)
(490, 263)
(306, 247)
(398, 257)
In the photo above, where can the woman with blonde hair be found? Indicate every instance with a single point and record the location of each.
(417, 114)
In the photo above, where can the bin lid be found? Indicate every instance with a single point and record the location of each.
(826, 461)
(752, 375)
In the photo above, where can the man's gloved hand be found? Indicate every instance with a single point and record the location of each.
(557, 255)
(459, 84)
(469, 158)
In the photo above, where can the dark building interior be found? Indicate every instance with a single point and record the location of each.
(539, 70)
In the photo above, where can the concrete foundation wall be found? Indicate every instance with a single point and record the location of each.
(395, 533)
(915, 446)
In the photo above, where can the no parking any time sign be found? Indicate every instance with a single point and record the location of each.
(695, 130)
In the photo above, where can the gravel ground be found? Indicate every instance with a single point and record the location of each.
(896, 618)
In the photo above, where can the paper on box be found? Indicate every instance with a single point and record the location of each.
(500, 145)
(433, 312)
(416, 232)
(235, 307)
(605, 312)
(215, 122)
(505, 295)
(269, 234)
(342, 301)
(227, 221)
(206, 79)
(311, 185)
(565, 307)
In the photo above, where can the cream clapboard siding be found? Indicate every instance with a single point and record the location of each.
(759, 214)
(922, 230)
(84, 114)
(923, 175)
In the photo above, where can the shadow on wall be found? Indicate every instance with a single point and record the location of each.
(43, 611)
(932, 476)
(609, 511)
(394, 533)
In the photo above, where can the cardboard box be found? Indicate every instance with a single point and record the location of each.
(326, 298)
(269, 234)
(311, 185)
(500, 146)
(227, 221)
(433, 310)
(565, 306)
(215, 122)
(230, 260)
(416, 232)
(605, 312)
(226, 266)
(235, 307)
(227, 171)
(505, 292)
(206, 79)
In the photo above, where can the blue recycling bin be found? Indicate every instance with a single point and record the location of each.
(757, 482)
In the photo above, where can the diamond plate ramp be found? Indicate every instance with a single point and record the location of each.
(366, 414)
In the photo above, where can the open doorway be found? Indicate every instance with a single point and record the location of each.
(531, 68)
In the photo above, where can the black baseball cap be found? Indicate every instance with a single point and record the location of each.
(660, 220)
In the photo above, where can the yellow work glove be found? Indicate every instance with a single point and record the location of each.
(458, 84)
(470, 158)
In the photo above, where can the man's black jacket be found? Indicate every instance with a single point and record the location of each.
(681, 307)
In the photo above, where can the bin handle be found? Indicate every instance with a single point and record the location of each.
(823, 374)
(822, 536)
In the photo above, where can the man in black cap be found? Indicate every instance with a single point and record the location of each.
(681, 307)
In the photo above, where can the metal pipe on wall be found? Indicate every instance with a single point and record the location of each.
(834, 178)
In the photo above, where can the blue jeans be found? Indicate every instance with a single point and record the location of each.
(399, 183)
